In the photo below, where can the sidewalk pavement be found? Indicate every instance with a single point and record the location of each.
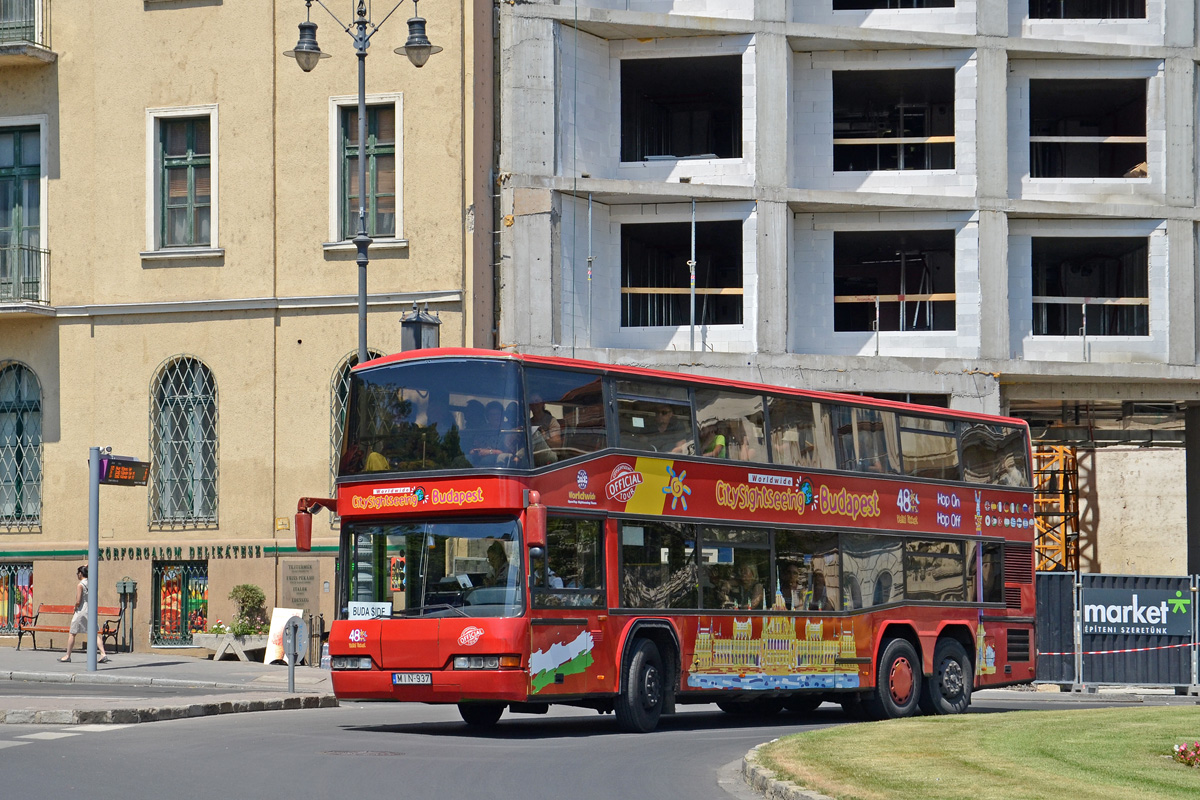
(236, 686)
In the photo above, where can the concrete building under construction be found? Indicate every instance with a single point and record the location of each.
(984, 204)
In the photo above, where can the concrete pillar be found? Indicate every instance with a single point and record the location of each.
(773, 97)
(1181, 292)
(991, 17)
(527, 83)
(994, 312)
(530, 299)
(1180, 25)
(528, 235)
(1180, 91)
(773, 100)
(1192, 472)
(991, 121)
(774, 237)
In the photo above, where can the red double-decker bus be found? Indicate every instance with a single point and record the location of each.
(518, 531)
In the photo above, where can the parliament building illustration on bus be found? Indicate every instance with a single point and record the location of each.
(777, 659)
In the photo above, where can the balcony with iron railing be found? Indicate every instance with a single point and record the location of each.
(25, 33)
(23, 280)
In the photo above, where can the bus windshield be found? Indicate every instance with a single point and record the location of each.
(468, 568)
(446, 414)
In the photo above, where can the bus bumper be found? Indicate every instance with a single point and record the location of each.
(448, 686)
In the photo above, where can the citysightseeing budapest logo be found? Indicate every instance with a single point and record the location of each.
(397, 497)
(390, 497)
(1141, 612)
(741, 497)
(848, 504)
(623, 483)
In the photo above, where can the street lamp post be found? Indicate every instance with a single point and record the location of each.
(307, 53)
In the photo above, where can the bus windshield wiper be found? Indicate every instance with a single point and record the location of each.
(435, 607)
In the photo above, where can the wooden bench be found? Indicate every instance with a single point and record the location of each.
(108, 617)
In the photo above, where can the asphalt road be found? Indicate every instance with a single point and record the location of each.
(384, 750)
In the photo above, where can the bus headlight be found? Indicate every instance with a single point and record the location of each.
(487, 662)
(477, 662)
(350, 662)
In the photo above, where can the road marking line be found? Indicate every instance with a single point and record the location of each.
(12, 744)
(99, 728)
(47, 735)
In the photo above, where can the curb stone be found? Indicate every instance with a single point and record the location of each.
(124, 716)
(763, 780)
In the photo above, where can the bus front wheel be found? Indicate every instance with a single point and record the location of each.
(948, 689)
(640, 703)
(898, 682)
(481, 715)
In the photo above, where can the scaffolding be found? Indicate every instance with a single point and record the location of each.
(1056, 507)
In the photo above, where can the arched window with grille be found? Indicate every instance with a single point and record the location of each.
(20, 447)
(339, 395)
(183, 445)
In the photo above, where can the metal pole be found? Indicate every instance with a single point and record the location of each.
(589, 263)
(361, 240)
(1077, 630)
(1083, 331)
(692, 276)
(93, 554)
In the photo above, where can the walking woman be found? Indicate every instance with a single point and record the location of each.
(79, 621)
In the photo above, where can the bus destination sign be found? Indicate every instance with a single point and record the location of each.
(124, 471)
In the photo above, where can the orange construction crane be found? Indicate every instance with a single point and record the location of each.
(1056, 507)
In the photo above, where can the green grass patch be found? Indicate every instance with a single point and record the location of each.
(1080, 755)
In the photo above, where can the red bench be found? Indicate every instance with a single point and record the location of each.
(108, 617)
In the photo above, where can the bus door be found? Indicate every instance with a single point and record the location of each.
(568, 611)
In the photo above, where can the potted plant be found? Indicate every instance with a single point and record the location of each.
(248, 631)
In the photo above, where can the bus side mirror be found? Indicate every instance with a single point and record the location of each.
(303, 531)
(535, 522)
(304, 511)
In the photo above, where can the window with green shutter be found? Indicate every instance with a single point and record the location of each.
(186, 160)
(381, 171)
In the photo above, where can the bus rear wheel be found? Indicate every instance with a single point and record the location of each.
(898, 680)
(640, 703)
(948, 689)
(481, 715)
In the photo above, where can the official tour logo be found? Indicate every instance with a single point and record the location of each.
(470, 635)
(623, 483)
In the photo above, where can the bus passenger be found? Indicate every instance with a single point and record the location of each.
(544, 431)
(748, 591)
(818, 598)
(487, 446)
(715, 443)
(668, 434)
(791, 590)
(502, 573)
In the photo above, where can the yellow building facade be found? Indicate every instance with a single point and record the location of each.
(177, 281)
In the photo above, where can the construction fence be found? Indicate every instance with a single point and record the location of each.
(1117, 629)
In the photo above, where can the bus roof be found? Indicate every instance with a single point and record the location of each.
(698, 380)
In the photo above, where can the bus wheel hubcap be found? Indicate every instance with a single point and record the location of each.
(650, 689)
(952, 678)
(900, 681)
